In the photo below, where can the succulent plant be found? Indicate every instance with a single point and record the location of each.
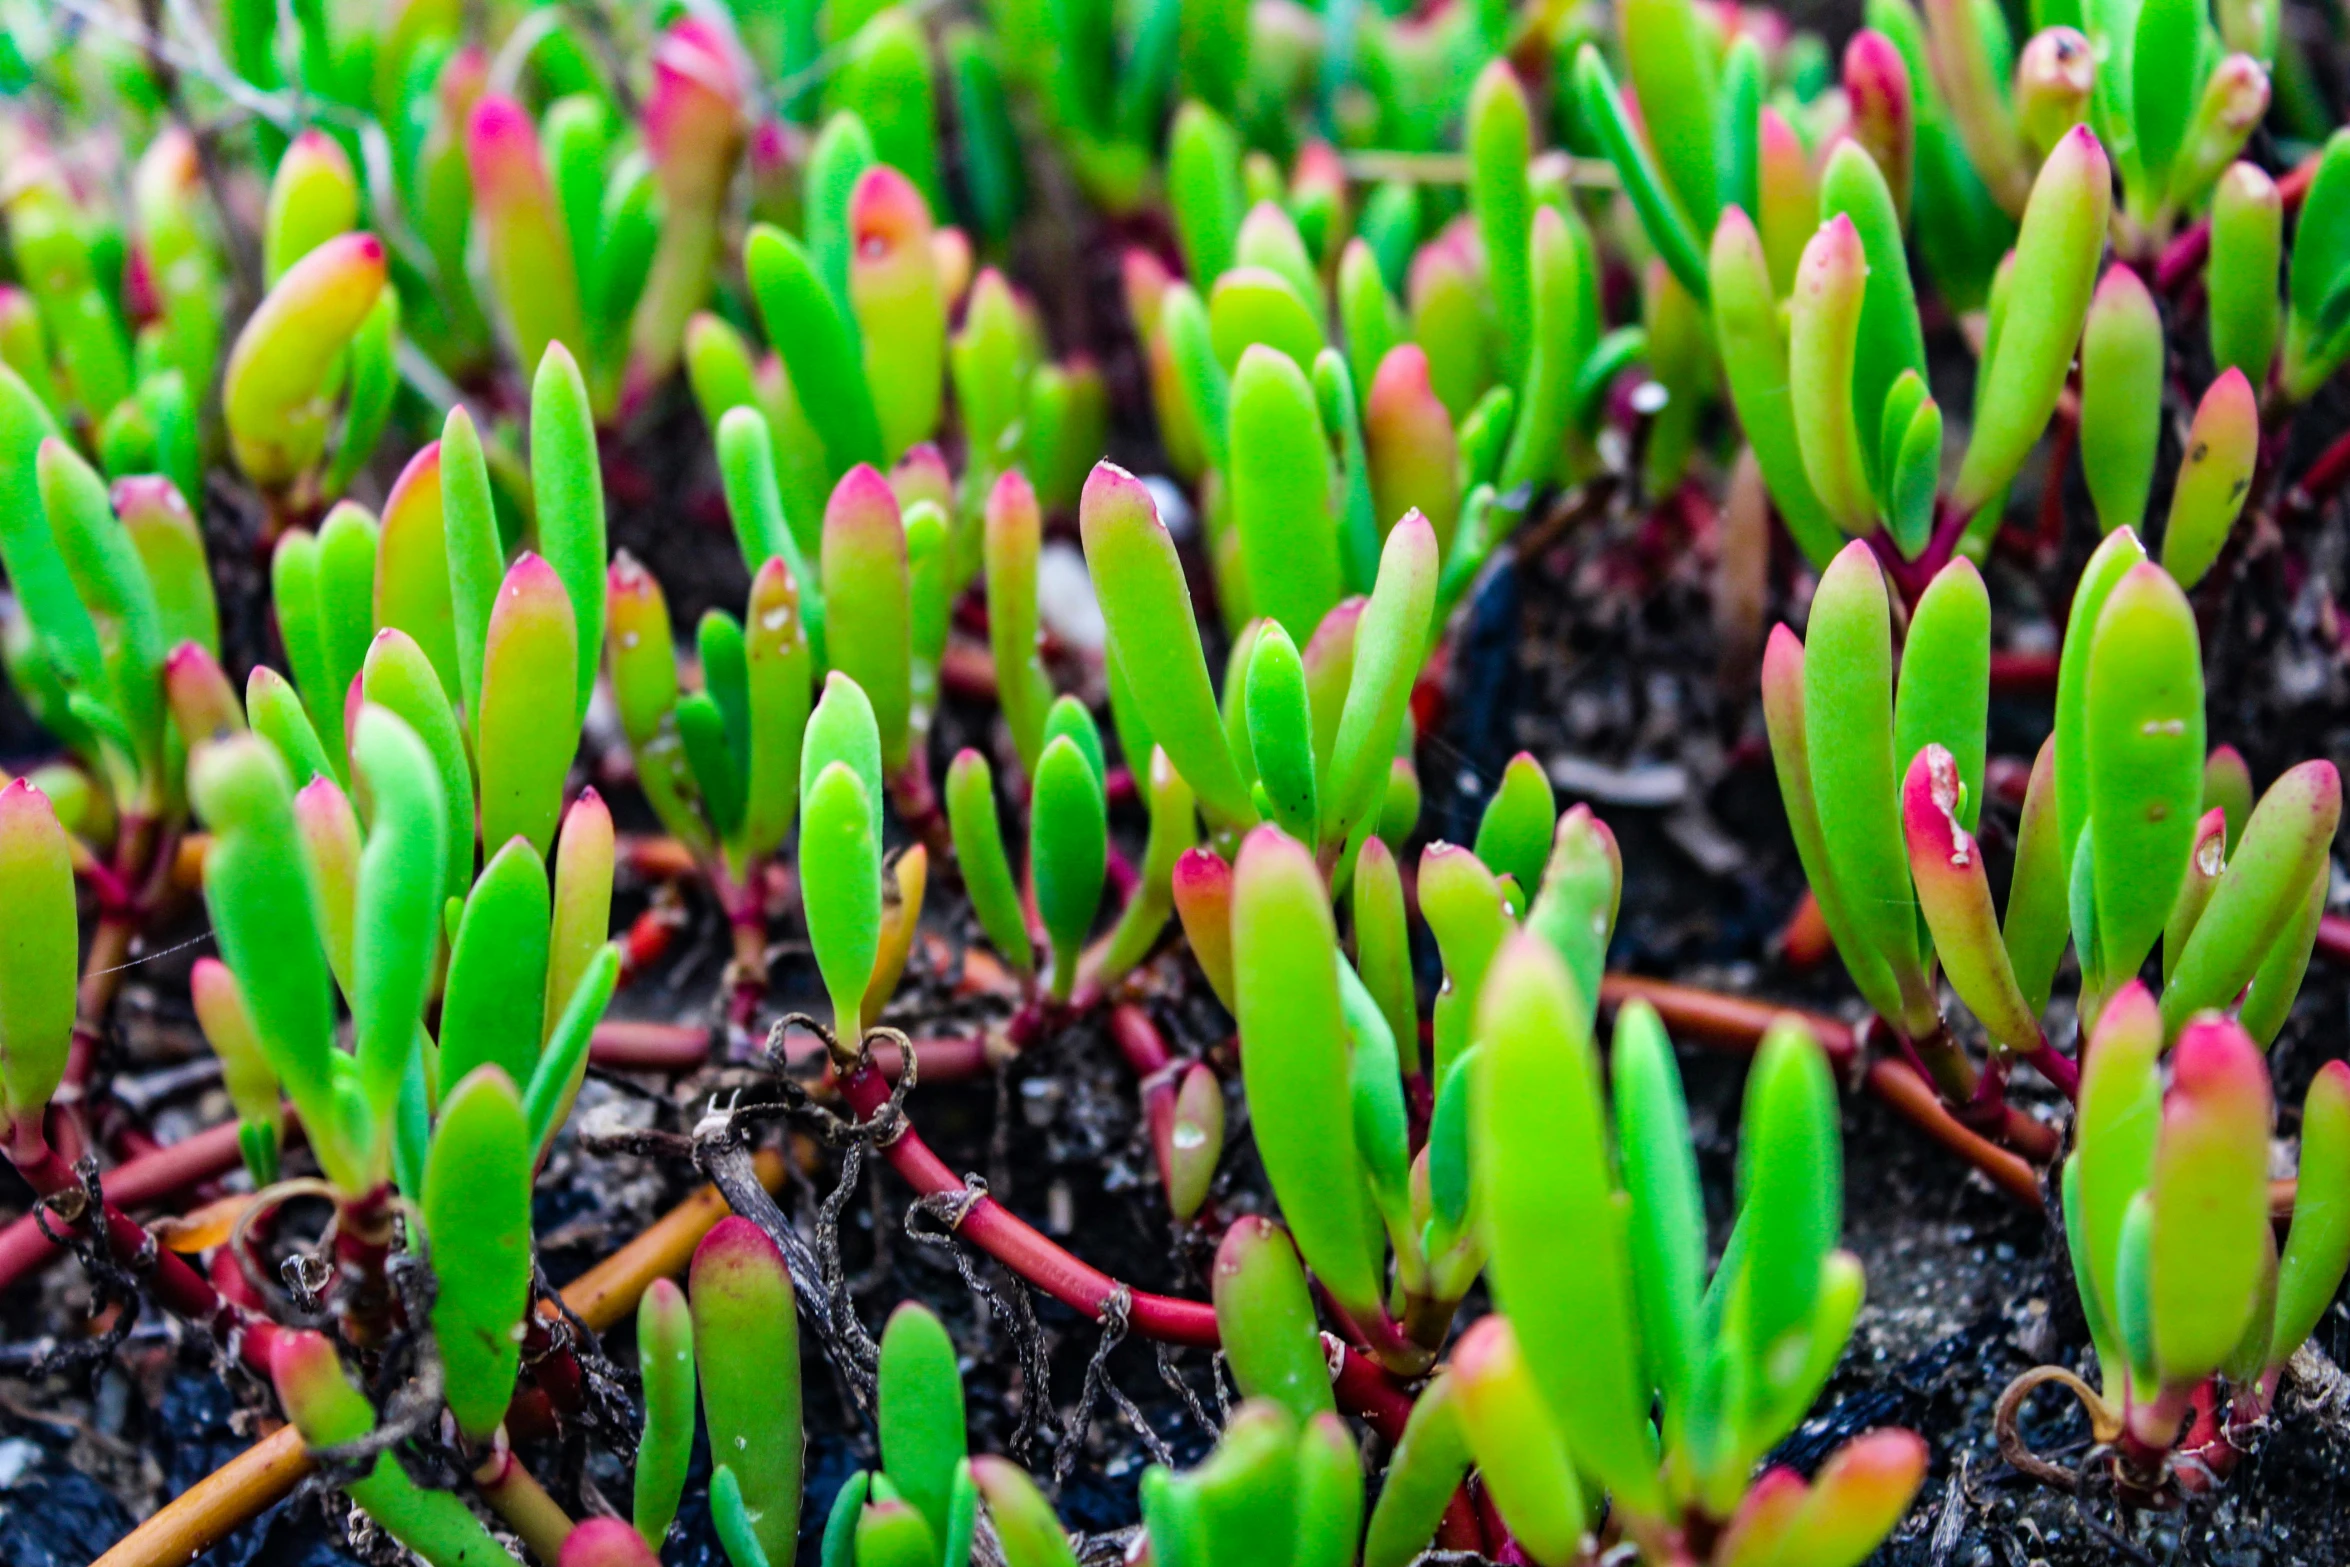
(1140, 429)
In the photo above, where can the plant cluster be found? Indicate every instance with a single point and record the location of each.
(337, 388)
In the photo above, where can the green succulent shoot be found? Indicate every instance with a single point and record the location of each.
(2316, 342)
(665, 1364)
(2166, 1212)
(721, 766)
(106, 584)
(1598, 1261)
(1068, 843)
(329, 1410)
(840, 848)
(2109, 855)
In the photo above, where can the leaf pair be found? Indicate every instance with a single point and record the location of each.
(2174, 108)
(1275, 1489)
(102, 581)
(858, 311)
(296, 892)
(840, 848)
(321, 1400)
(566, 230)
(276, 908)
(1148, 606)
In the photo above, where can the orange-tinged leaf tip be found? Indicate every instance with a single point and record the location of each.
(886, 211)
(1488, 1338)
(1114, 498)
(734, 1242)
(530, 583)
(1400, 384)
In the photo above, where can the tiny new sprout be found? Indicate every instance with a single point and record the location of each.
(2126, 837)
(2192, 1308)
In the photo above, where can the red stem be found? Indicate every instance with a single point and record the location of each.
(176, 1286)
(167, 1172)
(629, 1045)
(1012, 1241)
(2333, 938)
(2321, 480)
(1737, 1024)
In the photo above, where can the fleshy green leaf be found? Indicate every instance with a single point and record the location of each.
(494, 1010)
(747, 1348)
(1561, 1263)
(1265, 1317)
(476, 1204)
(1143, 596)
(1294, 1062)
(2145, 759)
(921, 1412)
